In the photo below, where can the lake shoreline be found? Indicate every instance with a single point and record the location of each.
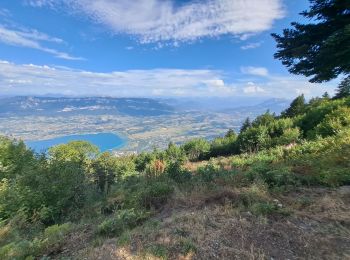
(105, 141)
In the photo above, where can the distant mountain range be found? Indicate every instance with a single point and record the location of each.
(17, 106)
(273, 105)
(229, 104)
(63, 106)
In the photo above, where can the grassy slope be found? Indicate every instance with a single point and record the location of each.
(234, 217)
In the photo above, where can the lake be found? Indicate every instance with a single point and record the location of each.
(104, 141)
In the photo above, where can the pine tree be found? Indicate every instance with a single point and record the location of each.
(320, 48)
(297, 107)
(230, 133)
(343, 89)
(325, 95)
(246, 124)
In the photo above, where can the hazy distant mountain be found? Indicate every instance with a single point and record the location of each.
(214, 103)
(14, 106)
(62, 106)
(274, 105)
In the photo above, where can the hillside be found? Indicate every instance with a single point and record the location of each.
(279, 189)
(64, 106)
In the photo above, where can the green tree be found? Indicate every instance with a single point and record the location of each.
(343, 88)
(334, 122)
(175, 153)
(319, 50)
(75, 151)
(143, 159)
(264, 119)
(197, 149)
(221, 146)
(41, 189)
(254, 139)
(15, 158)
(325, 95)
(297, 107)
(246, 124)
(231, 134)
(103, 172)
(316, 113)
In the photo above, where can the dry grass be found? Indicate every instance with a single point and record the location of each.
(202, 225)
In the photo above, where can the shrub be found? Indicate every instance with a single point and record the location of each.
(52, 238)
(175, 154)
(333, 123)
(254, 139)
(123, 220)
(289, 135)
(19, 250)
(155, 168)
(208, 172)
(142, 160)
(280, 177)
(316, 113)
(155, 194)
(177, 173)
(50, 241)
(197, 149)
(267, 208)
(224, 145)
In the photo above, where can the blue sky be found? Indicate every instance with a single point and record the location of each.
(153, 48)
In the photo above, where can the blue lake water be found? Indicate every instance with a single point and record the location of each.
(104, 141)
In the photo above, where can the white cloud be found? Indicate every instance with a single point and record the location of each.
(251, 88)
(32, 39)
(255, 71)
(219, 86)
(159, 20)
(32, 79)
(252, 45)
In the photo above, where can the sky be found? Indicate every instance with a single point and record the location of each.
(148, 48)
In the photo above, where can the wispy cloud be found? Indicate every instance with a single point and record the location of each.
(4, 12)
(34, 40)
(29, 79)
(252, 88)
(255, 71)
(158, 20)
(250, 46)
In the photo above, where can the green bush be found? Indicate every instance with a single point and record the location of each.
(268, 208)
(16, 250)
(177, 173)
(123, 220)
(316, 113)
(51, 240)
(197, 149)
(226, 145)
(208, 172)
(155, 194)
(333, 123)
(254, 139)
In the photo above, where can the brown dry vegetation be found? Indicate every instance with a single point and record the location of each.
(312, 223)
